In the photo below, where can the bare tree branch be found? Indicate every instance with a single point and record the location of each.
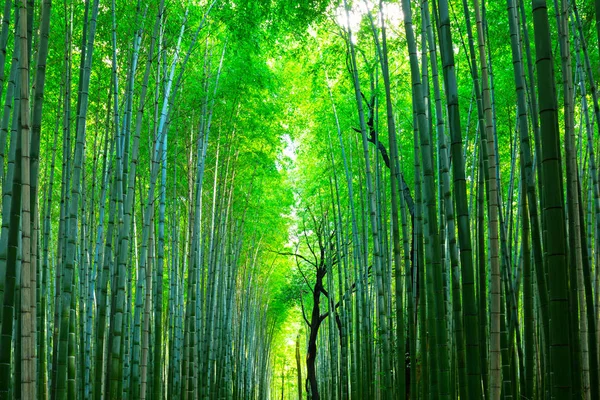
(303, 312)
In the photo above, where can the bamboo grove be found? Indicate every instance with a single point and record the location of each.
(362, 199)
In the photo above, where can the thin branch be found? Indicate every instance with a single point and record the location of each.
(308, 244)
(304, 276)
(303, 312)
(288, 253)
(350, 291)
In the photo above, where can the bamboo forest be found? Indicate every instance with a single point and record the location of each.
(300, 199)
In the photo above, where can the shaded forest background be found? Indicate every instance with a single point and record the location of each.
(299, 199)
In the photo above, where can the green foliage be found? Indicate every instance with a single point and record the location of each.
(254, 21)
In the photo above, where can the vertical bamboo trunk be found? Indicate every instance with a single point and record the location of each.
(395, 179)
(471, 312)
(27, 284)
(12, 269)
(493, 210)
(298, 367)
(6, 179)
(590, 324)
(553, 215)
(377, 251)
(67, 296)
(579, 368)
